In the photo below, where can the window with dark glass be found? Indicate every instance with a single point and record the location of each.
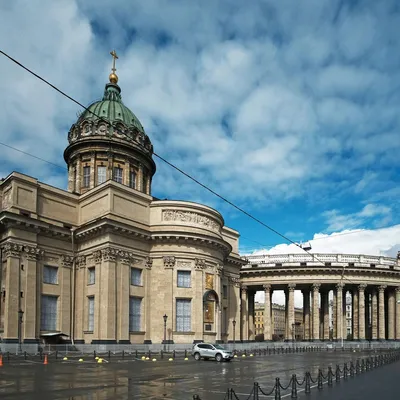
(132, 179)
(117, 174)
(86, 176)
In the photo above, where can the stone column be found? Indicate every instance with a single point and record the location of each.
(361, 311)
(325, 313)
(64, 300)
(374, 314)
(334, 319)
(355, 315)
(397, 312)
(315, 310)
(382, 335)
(107, 301)
(344, 320)
(391, 313)
(245, 325)
(306, 313)
(339, 311)
(267, 313)
(140, 178)
(291, 319)
(218, 310)
(127, 173)
(251, 315)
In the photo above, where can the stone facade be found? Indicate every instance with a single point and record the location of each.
(105, 262)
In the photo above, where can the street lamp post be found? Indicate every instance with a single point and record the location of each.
(234, 325)
(20, 316)
(165, 317)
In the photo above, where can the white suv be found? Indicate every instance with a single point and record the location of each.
(206, 351)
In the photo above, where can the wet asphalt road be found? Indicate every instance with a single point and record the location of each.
(178, 380)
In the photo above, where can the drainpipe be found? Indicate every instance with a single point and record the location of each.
(72, 314)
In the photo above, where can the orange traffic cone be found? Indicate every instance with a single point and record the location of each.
(1, 360)
(45, 360)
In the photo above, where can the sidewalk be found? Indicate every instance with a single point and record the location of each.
(381, 383)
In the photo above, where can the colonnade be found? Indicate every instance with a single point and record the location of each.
(375, 313)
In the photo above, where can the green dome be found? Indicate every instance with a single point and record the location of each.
(111, 109)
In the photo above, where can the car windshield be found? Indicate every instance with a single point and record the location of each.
(217, 346)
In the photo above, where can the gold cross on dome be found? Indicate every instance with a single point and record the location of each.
(115, 57)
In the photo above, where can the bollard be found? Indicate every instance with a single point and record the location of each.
(196, 397)
(56, 354)
(255, 391)
(330, 375)
(294, 387)
(277, 389)
(345, 371)
(320, 387)
(24, 355)
(308, 383)
(161, 354)
(136, 354)
(109, 354)
(149, 354)
(362, 365)
(351, 369)
(185, 353)
(337, 373)
(123, 354)
(173, 354)
(40, 355)
(94, 354)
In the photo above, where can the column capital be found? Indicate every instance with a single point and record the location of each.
(382, 288)
(12, 250)
(199, 263)
(397, 289)
(97, 256)
(148, 263)
(244, 289)
(32, 253)
(267, 287)
(316, 286)
(109, 254)
(339, 286)
(362, 287)
(81, 261)
(291, 287)
(169, 262)
(66, 261)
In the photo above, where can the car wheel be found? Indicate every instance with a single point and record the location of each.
(218, 357)
(197, 356)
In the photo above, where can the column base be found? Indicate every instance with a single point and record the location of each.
(79, 341)
(126, 341)
(146, 341)
(167, 342)
(31, 341)
(105, 341)
(11, 341)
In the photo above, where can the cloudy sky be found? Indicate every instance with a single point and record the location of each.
(290, 109)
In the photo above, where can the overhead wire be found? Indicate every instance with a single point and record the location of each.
(240, 209)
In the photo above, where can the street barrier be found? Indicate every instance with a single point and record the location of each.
(349, 369)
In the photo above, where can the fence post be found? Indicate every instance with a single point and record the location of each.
(255, 391)
(294, 387)
(320, 379)
(277, 389)
(308, 385)
(330, 375)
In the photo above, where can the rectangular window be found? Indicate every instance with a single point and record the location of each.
(117, 175)
(135, 306)
(183, 315)
(132, 179)
(225, 291)
(50, 274)
(101, 174)
(91, 314)
(136, 277)
(48, 313)
(184, 279)
(86, 176)
(91, 275)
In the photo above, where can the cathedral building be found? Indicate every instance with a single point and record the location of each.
(105, 262)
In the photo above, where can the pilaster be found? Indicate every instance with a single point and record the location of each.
(245, 325)
(355, 314)
(306, 314)
(374, 316)
(391, 313)
(339, 311)
(291, 319)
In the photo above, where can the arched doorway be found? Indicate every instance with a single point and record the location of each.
(210, 307)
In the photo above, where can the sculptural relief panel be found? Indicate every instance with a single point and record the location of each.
(191, 218)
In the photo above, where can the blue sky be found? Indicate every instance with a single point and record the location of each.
(289, 109)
